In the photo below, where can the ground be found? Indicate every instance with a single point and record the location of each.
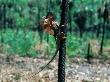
(24, 69)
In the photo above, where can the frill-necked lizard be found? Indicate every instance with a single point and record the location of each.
(51, 27)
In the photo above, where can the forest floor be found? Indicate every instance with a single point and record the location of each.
(24, 69)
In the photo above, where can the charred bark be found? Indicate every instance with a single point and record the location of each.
(62, 46)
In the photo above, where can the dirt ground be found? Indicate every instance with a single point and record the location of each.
(24, 69)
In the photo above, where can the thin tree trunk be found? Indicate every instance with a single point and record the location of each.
(103, 37)
(48, 10)
(98, 30)
(40, 31)
(88, 54)
(62, 46)
(4, 20)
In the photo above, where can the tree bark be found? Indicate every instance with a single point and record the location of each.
(62, 46)
(103, 38)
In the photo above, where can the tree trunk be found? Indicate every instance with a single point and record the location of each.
(88, 53)
(62, 46)
(40, 31)
(103, 38)
(4, 16)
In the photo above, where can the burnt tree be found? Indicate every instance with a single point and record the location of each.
(62, 45)
(40, 30)
(99, 12)
(106, 18)
(80, 20)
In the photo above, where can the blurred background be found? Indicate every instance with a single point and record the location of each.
(87, 35)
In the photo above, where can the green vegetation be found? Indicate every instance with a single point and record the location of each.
(20, 34)
(27, 43)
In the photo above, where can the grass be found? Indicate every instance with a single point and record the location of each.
(27, 43)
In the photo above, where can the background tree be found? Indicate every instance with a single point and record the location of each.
(106, 18)
(80, 20)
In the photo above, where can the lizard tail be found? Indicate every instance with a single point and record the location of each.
(48, 62)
